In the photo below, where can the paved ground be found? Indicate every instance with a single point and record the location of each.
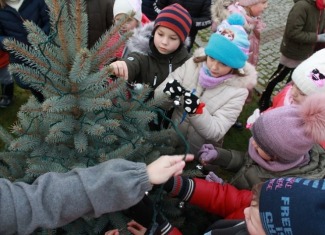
(275, 18)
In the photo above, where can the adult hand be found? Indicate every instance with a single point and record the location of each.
(120, 69)
(136, 228)
(165, 167)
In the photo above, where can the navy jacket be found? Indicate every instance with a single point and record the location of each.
(11, 21)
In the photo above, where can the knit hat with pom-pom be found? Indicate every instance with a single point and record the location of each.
(230, 44)
(287, 133)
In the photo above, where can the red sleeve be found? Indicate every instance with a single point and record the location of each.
(174, 231)
(222, 199)
(4, 59)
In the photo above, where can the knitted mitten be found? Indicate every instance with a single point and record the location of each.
(191, 102)
(180, 186)
(207, 153)
(212, 177)
(174, 88)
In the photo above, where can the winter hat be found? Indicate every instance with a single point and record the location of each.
(288, 133)
(309, 76)
(293, 206)
(176, 18)
(246, 3)
(127, 7)
(230, 44)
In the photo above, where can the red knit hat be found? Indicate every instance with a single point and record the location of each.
(176, 18)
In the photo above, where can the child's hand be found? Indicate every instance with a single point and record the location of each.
(112, 232)
(174, 88)
(212, 177)
(207, 154)
(120, 69)
(191, 102)
(136, 228)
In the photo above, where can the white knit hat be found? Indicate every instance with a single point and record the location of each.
(127, 6)
(309, 76)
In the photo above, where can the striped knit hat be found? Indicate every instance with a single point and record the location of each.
(176, 18)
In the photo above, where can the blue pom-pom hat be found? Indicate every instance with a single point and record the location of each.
(230, 44)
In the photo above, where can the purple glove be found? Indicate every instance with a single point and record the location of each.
(207, 154)
(211, 177)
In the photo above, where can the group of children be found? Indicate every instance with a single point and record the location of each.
(207, 93)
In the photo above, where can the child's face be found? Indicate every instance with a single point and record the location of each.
(260, 151)
(166, 40)
(253, 220)
(297, 95)
(258, 9)
(216, 68)
(130, 24)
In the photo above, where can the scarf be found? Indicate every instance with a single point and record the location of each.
(207, 81)
(320, 5)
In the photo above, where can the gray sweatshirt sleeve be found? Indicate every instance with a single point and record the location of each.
(56, 199)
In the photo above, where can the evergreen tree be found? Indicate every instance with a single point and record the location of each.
(86, 117)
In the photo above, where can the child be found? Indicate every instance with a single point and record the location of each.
(305, 21)
(307, 79)
(165, 50)
(252, 11)
(12, 17)
(121, 9)
(218, 76)
(199, 11)
(284, 143)
(278, 206)
(56, 199)
(6, 81)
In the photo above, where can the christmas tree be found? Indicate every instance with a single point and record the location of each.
(87, 116)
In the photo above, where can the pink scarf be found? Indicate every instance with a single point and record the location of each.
(207, 81)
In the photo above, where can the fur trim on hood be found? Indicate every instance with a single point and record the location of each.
(248, 80)
(139, 42)
(219, 10)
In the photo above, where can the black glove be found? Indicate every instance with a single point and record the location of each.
(173, 88)
(191, 102)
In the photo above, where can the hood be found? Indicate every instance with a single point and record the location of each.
(249, 80)
(219, 11)
(139, 42)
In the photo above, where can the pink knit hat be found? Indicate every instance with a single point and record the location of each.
(246, 3)
(287, 133)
